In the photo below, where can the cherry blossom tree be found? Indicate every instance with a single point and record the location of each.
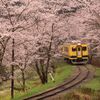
(13, 19)
(46, 49)
(92, 26)
(3, 43)
(38, 27)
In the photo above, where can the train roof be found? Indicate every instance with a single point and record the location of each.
(69, 44)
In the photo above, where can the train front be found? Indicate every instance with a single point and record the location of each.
(79, 53)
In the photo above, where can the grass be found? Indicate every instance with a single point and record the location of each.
(87, 91)
(94, 84)
(63, 71)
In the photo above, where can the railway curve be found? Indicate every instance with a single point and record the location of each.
(83, 73)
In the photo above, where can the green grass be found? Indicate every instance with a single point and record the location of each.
(91, 89)
(95, 82)
(63, 71)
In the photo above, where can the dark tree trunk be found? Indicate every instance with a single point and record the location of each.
(41, 72)
(12, 71)
(23, 80)
(3, 44)
(48, 54)
(90, 59)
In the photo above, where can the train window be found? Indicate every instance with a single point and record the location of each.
(73, 49)
(84, 48)
(79, 49)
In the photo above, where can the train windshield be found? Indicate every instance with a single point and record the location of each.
(73, 49)
(79, 49)
(84, 48)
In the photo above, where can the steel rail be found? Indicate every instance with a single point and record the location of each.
(77, 79)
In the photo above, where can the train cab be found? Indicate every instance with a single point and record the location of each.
(75, 53)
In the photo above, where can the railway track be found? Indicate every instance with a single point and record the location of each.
(82, 74)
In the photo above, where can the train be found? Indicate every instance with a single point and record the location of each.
(75, 52)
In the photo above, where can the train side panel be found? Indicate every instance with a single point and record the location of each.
(75, 53)
(72, 52)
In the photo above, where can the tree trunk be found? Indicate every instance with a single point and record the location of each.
(40, 73)
(12, 70)
(23, 80)
(48, 62)
(43, 71)
(90, 59)
(49, 55)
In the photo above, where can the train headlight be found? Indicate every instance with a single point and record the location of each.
(79, 43)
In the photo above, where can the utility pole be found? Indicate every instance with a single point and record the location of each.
(12, 71)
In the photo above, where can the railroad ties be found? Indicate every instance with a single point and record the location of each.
(83, 73)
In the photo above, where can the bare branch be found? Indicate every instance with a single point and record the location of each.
(23, 11)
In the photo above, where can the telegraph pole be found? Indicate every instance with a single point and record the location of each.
(12, 70)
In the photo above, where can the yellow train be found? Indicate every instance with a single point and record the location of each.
(76, 53)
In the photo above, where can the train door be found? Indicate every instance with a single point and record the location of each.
(79, 51)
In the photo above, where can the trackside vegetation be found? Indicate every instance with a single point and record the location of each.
(63, 71)
(88, 91)
(94, 84)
